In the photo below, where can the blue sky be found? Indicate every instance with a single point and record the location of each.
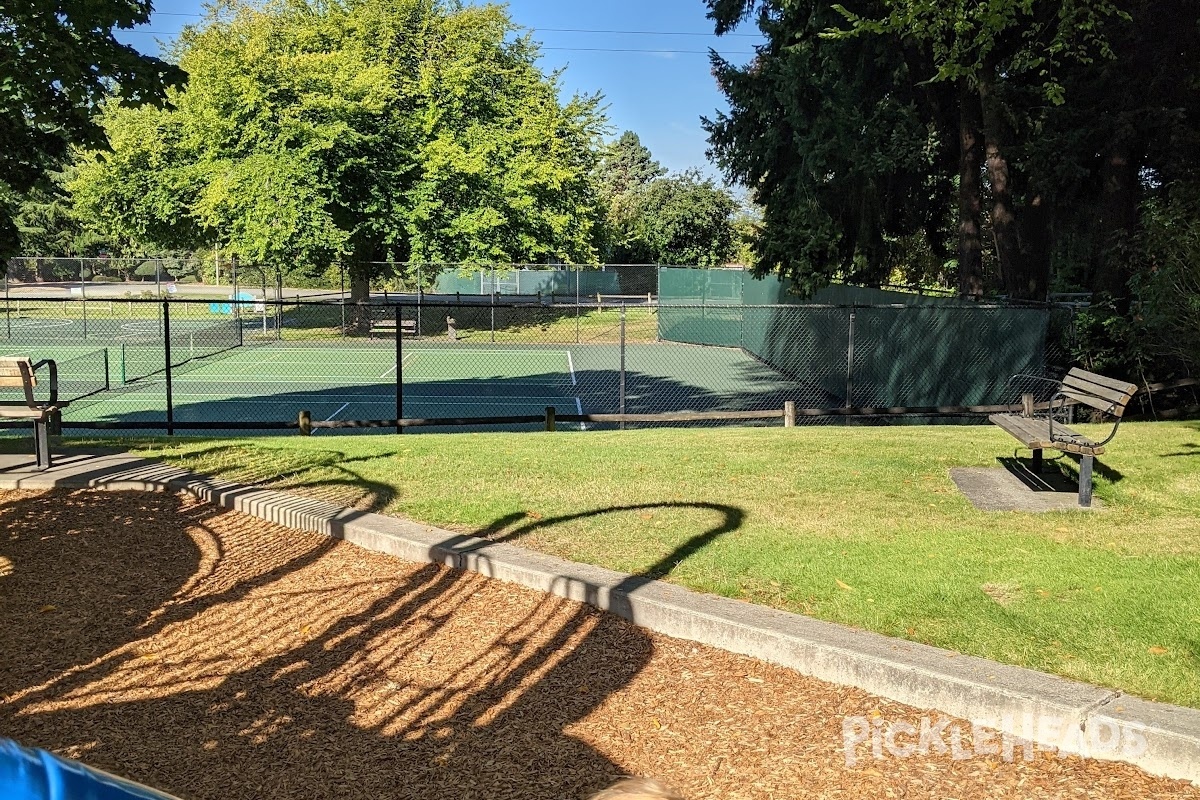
(654, 73)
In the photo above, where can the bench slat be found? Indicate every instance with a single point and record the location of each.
(1035, 434)
(1098, 403)
(15, 371)
(1113, 395)
(1124, 387)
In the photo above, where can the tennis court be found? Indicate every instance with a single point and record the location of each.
(358, 381)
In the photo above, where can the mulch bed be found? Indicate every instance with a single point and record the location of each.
(213, 655)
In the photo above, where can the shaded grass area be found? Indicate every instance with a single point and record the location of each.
(855, 525)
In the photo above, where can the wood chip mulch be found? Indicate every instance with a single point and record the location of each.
(213, 655)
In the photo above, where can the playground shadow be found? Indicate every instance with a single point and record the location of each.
(191, 649)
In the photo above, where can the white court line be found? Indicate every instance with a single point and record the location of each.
(571, 367)
(392, 369)
(340, 410)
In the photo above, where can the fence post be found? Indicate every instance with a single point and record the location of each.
(305, 421)
(621, 390)
(166, 317)
(399, 373)
(7, 309)
(850, 364)
(789, 413)
(578, 269)
(342, 296)
(278, 303)
(493, 305)
(83, 294)
(550, 418)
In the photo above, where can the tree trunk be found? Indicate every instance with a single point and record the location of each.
(1023, 278)
(1117, 220)
(359, 320)
(970, 162)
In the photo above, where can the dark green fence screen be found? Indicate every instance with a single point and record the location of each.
(858, 347)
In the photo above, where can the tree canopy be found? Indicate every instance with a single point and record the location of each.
(368, 130)
(60, 61)
(1018, 140)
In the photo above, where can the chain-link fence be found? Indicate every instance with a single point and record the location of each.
(438, 362)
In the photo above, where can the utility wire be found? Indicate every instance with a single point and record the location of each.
(659, 50)
(551, 30)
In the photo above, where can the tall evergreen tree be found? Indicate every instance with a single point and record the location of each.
(58, 62)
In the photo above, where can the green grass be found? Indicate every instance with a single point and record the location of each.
(858, 525)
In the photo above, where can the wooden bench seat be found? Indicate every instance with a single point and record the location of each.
(1107, 396)
(22, 372)
(407, 326)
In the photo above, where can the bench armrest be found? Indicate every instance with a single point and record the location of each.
(53, 368)
(1064, 398)
(1039, 378)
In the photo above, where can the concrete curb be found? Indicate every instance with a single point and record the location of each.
(1053, 712)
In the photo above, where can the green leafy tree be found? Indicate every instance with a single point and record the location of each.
(681, 219)
(367, 131)
(59, 61)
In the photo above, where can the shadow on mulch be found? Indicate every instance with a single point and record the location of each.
(171, 642)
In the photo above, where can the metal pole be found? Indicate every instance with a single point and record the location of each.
(342, 295)
(158, 277)
(621, 394)
(217, 263)
(850, 364)
(493, 304)
(420, 297)
(278, 303)
(578, 269)
(237, 308)
(399, 373)
(7, 309)
(83, 294)
(166, 315)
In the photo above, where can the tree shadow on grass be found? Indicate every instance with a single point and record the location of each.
(182, 646)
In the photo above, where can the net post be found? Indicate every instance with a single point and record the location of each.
(123, 380)
(399, 373)
(550, 418)
(166, 318)
(621, 390)
(107, 382)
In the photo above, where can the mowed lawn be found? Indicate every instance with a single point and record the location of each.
(858, 525)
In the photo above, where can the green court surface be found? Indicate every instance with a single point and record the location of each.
(358, 381)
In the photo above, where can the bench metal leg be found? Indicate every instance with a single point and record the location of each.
(1085, 481)
(1037, 460)
(41, 444)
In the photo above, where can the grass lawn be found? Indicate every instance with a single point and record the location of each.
(857, 525)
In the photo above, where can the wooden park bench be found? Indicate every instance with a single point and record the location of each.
(1039, 431)
(408, 327)
(22, 372)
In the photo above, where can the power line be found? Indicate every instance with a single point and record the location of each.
(659, 51)
(552, 30)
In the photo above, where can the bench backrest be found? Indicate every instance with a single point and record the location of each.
(17, 372)
(1106, 395)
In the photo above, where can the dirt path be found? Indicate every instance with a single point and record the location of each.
(217, 656)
